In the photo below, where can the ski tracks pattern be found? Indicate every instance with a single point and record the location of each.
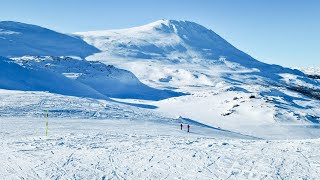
(124, 156)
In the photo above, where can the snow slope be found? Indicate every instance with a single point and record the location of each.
(106, 80)
(16, 77)
(19, 39)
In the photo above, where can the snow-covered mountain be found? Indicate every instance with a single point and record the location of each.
(176, 41)
(168, 39)
(219, 78)
(19, 39)
(214, 82)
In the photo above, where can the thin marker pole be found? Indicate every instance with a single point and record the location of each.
(47, 123)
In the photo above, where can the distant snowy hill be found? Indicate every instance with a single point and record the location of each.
(19, 39)
(16, 77)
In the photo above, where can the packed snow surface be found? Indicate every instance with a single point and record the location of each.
(125, 149)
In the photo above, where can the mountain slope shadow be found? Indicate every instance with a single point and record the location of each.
(16, 77)
(79, 78)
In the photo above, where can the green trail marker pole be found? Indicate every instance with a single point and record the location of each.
(47, 123)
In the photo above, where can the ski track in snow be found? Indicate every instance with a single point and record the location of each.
(101, 149)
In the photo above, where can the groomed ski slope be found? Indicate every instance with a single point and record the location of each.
(113, 149)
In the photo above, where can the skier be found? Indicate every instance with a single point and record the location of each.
(181, 126)
(188, 126)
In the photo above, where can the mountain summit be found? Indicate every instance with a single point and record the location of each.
(169, 39)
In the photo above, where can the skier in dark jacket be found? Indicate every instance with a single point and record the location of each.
(188, 126)
(181, 126)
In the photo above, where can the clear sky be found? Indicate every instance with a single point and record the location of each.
(285, 32)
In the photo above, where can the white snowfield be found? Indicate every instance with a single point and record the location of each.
(125, 149)
(120, 118)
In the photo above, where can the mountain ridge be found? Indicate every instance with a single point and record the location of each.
(19, 39)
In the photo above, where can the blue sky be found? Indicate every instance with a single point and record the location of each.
(285, 32)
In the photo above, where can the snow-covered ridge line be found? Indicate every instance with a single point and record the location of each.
(20, 39)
